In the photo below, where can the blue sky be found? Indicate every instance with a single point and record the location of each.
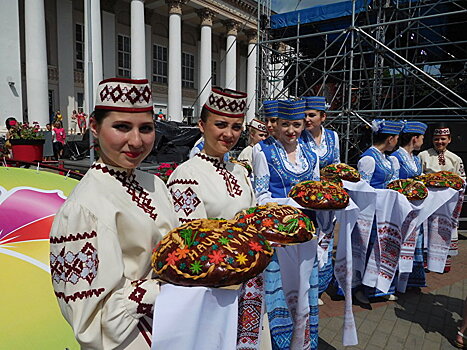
(290, 5)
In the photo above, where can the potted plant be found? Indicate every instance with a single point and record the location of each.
(27, 141)
(164, 170)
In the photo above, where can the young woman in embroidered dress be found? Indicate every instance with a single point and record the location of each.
(278, 164)
(257, 131)
(102, 237)
(209, 186)
(325, 143)
(378, 169)
(410, 140)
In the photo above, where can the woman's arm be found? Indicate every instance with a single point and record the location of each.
(366, 168)
(87, 267)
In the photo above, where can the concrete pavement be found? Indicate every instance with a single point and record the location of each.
(426, 319)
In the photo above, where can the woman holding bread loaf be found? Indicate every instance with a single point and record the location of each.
(325, 143)
(102, 237)
(208, 186)
(378, 169)
(279, 163)
(410, 140)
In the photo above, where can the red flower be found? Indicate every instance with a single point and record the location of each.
(255, 246)
(268, 222)
(12, 122)
(169, 172)
(216, 257)
(301, 194)
(172, 258)
(182, 252)
(327, 196)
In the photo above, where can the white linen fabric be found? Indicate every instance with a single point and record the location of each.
(100, 255)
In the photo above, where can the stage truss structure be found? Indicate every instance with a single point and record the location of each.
(395, 60)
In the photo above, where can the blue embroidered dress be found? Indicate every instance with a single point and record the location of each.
(329, 153)
(411, 166)
(378, 170)
(275, 175)
(328, 150)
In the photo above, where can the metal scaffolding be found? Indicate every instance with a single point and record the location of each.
(397, 59)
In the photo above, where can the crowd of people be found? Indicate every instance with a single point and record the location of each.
(111, 222)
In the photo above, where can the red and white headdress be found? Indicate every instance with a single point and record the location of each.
(125, 95)
(258, 125)
(441, 132)
(226, 102)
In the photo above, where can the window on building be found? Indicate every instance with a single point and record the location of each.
(79, 46)
(80, 101)
(124, 56)
(159, 64)
(188, 70)
(213, 73)
(188, 115)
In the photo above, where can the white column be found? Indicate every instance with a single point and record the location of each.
(65, 42)
(138, 40)
(251, 76)
(148, 55)
(36, 62)
(174, 107)
(11, 99)
(231, 55)
(205, 59)
(96, 57)
(108, 45)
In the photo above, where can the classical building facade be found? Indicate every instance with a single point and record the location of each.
(182, 46)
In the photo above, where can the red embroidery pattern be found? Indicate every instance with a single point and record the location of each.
(184, 221)
(226, 104)
(249, 315)
(73, 238)
(118, 94)
(137, 296)
(182, 182)
(233, 188)
(70, 267)
(144, 332)
(390, 241)
(80, 295)
(186, 200)
(133, 188)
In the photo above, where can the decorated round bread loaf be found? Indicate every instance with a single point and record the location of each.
(442, 179)
(332, 178)
(343, 171)
(282, 224)
(413, 190)
(319, 195)
(211, 253)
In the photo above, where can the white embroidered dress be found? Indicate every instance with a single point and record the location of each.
(206, 187)
(100, 255)
(431, 164)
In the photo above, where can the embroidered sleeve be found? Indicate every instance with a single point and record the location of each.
(366, 168)
(396, 167)
(337, 152)
(261, 176)
(185, 192)
(460, 169)
(86, 261)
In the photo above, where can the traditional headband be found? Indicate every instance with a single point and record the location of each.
(258, 125)
(125, 95)
(414, 128)
(270, 109)
(315, 102)
(382, 126)
(441, 132)
(291, 110)
(226, 102)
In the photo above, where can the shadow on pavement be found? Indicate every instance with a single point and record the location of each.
(322, 345)
(434, 313)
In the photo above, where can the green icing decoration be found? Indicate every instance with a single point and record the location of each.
(215, 247)
(224, 240)
(202, 235)
(182, 266)
(160, 264)
(230, 260)
(195, 267)
(203, 258)
(188, 236)
(250, 252)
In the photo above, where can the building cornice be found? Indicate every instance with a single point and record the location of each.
(246, 16)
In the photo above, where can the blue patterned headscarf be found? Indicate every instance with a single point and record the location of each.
(270, 109)
(291, 110)
(414, 128)
(315, 102)
(382, 126)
